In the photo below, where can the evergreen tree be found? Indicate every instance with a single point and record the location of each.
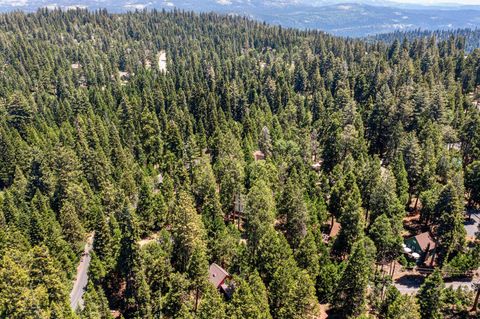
(388, 243)
(137, 295)
(472, 182)
(307, 256)
(243, 303)
(352, 290)
(430, 296)
(293, 208)
(412, 157)
(450, 231)
(211, 305)
(398, 306)
(401, 177)
(71, 225)
(259, 213)
(351, 216)
(292, 292)
(145, 208)
(188, 232)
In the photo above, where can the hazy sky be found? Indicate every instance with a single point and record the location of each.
(439, 1)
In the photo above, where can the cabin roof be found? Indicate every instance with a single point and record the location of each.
(217, 275)
(424, 240)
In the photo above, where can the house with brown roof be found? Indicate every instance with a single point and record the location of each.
(422, 248)
(218, 277)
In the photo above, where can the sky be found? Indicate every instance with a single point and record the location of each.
(439, 1)
(424, 2)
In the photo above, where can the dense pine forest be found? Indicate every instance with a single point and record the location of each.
(290, 159)
(470, 37)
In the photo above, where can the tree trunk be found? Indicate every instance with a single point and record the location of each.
(409, 201)
(366, 218)
(475, 303)
(383, 284)
(196, 299)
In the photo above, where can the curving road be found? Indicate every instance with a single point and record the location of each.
(76, 295)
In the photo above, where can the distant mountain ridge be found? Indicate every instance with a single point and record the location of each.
(471, 38)
(359, 19)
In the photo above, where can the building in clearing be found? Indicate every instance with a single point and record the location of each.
(162, 61)
(422, 248)
(219, 277)
(258, 156)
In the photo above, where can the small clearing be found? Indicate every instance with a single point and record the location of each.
(149, 239)
(162, 61)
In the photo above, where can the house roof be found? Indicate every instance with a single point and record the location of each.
(159, 178)
(425, 241)
(217, 275)
(258, 155)
(335, 229)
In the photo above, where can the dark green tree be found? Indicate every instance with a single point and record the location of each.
(430, 296)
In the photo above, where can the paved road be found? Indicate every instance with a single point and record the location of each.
(76, 295)
(471, 226)
(410, 284)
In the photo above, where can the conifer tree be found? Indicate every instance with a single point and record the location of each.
(387, 242)
(292, 292)
(352, 290)
(351, 216)
(211, 305)
(450, 231)
(292, 206)
(243, 303)
(71, 225)
(398, 306)
(188, 232)
(137, 295)
(259, 213)
(472, 182)
(307, 256)
(145, 208)
(401, 179)
(430, 296)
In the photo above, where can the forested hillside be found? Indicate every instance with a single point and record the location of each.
(471, 38)
(242, 150)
